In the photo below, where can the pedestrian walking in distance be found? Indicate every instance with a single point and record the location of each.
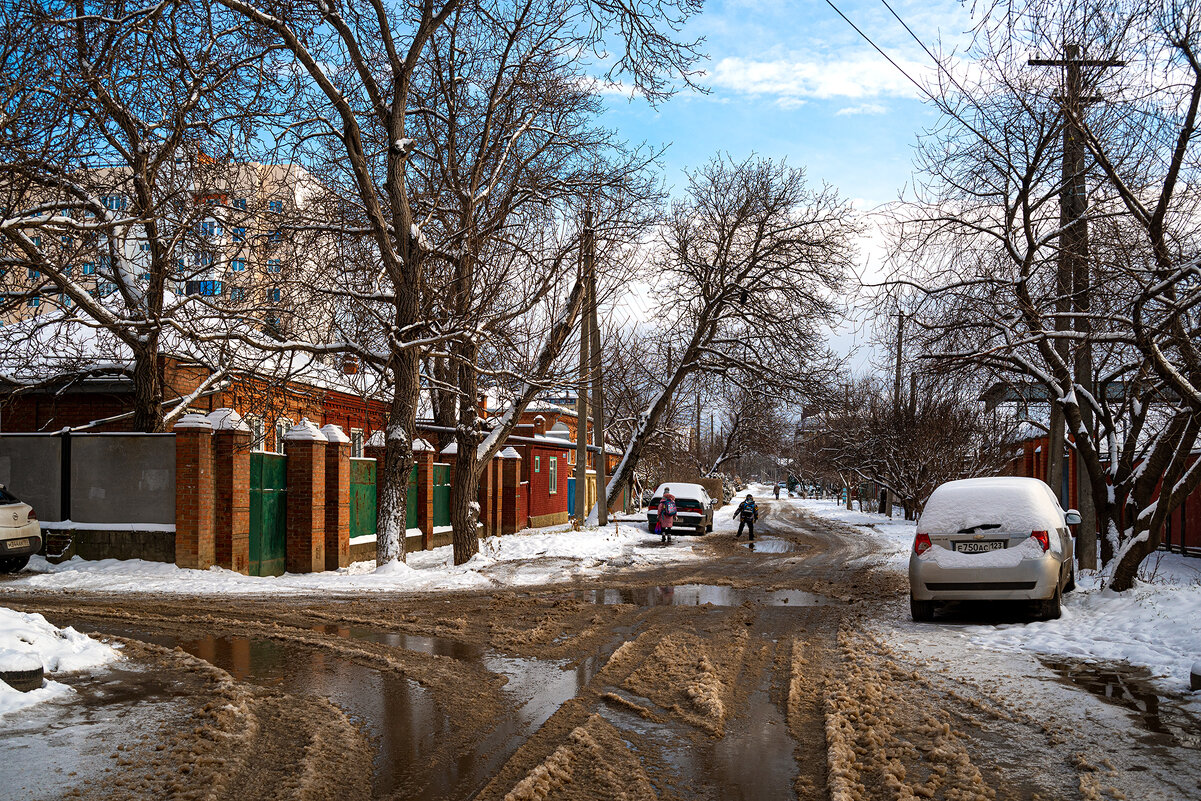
(747, 514)
(667, 515)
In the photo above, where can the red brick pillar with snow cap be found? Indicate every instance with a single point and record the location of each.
(231, 471)
(304, 445)
(194, 492)
(423, 452)
(510, 491)
(337, 498)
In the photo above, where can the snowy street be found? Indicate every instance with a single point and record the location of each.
(595, 665)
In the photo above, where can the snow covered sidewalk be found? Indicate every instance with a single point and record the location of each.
(1153, 625)
(537, 556)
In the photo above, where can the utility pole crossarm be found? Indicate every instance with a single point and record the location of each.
(1075, 62)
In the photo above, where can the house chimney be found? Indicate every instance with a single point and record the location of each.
(350, 364)
(539, 425)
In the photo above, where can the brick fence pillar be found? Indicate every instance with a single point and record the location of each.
(304, 445)
(510, 491)
(485, 493)
(231, 470)
(194, 491)
(424, 453)
(337, 498)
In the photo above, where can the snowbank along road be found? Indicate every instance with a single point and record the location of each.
(789, 671)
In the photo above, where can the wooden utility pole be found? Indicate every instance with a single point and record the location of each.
(598, 403)
(896, 385)
(581, 402)
(1073, 286)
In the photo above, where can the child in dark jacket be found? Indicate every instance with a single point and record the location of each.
(747, 514)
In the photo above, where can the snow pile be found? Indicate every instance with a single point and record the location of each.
(538, 556)
(28, 641)
(1153, 625)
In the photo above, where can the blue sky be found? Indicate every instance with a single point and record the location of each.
(794, 80)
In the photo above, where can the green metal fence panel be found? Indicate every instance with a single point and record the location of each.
(441, 495)
(362, 497)
(268, 513)
(411, 503)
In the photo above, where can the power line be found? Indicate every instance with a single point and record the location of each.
(877, 48)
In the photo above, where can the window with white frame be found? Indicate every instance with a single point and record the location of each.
(281, 427)
(554, 476)
(537, 464)
(356, 443)
(256, 432)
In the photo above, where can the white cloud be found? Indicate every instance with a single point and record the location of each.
(862, 108)
(857, 77)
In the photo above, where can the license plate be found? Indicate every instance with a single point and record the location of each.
(980, 547)
(14, 544)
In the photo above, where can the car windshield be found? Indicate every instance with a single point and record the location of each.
(7, 497)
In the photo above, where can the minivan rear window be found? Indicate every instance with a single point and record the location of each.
(7, 497)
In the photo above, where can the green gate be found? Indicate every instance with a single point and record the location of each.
(362, 497)
(441, 495)
(268, 513)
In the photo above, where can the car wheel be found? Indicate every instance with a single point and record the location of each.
(701, 530)
(11, 564)
(921, 611)
(1051, 608)
(650, 527)
(23, 680)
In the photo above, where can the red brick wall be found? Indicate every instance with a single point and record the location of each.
(195, 490)
(231, 469)
(305, 548)
(541, 501)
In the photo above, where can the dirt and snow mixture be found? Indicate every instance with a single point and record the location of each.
(28, 641)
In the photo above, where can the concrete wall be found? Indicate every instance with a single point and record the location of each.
(31, 468)
(123, 478)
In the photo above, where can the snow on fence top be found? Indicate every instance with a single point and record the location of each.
(334, 433)
(1014, 504)
(226, 419)
(305, 431)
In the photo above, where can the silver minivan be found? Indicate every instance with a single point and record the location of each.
(1002, 539)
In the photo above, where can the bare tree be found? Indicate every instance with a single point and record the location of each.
(748, 263)
(1112, 343)
(116, 112)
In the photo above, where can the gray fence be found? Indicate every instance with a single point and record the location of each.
(92, 478)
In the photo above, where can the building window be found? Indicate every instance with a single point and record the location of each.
(33, 273)
(68, 241)
(239, 234)
(238, 265)
(256, 432)
(106, 288)
(356, 443)
(554, 476)
(113, 202)
(237, 293)
(275, 237)
(276, 206)
(37, 241)
(240, 203)
(209, 289)
(273, 295)
(537, 464)
(274, 266)
(33, 302)
(209, 228)
(64, 301)
(571, 457)
(145, 246)
(89, 268)
(203, 259)
(281, 427)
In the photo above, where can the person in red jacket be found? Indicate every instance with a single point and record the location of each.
(667, 515)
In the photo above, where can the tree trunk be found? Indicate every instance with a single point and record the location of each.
(147, 388)
(1126, 570)
(464, 504)
(393, 478)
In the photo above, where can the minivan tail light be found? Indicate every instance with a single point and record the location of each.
(921, 544)
(32, 516)
(1043, 539)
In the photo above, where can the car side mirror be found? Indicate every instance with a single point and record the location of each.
(1071, 517)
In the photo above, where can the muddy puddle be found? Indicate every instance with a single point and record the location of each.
(1161, 716)
(701, 594)
(770, 545)
(402, 718)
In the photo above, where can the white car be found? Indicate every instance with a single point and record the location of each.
(997, 539)
(20, 533)
(694, 507)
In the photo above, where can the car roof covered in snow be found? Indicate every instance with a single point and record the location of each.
(681, 489)
(1010, 502)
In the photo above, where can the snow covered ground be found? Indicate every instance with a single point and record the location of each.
(536, 556)
(28, 640)
(1153, 626)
